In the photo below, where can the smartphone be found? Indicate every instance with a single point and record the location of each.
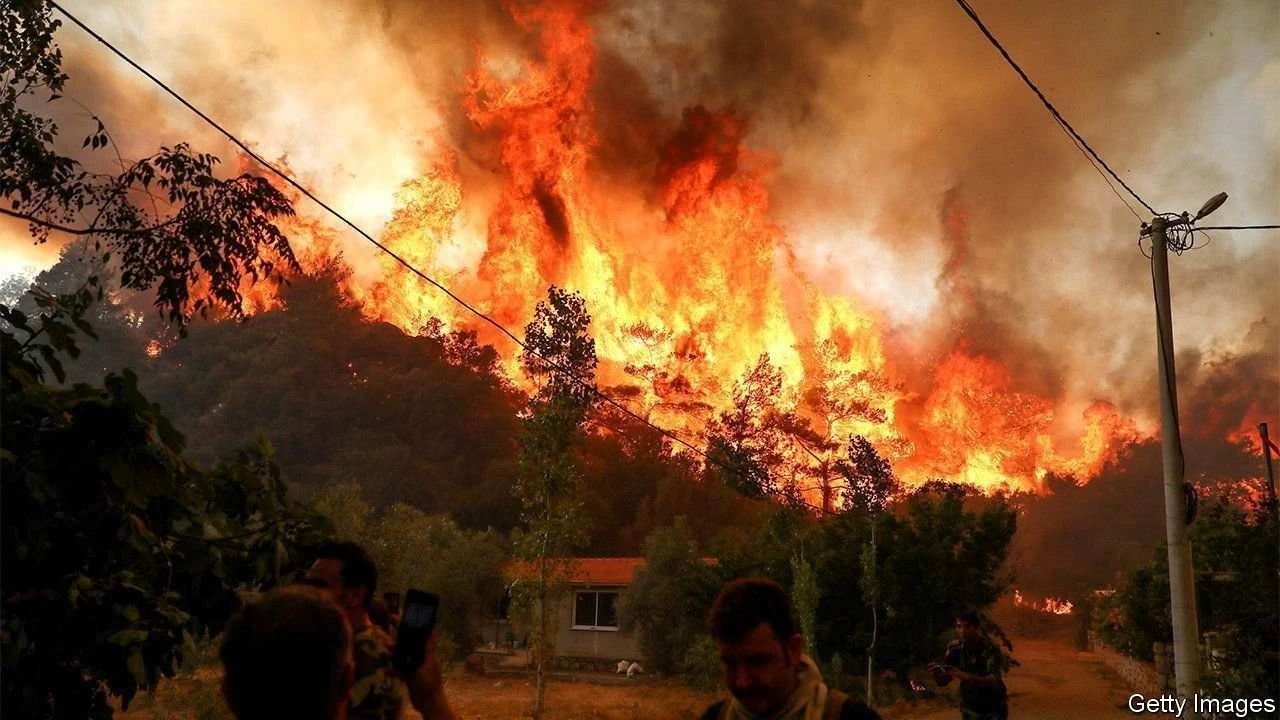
(416, 624)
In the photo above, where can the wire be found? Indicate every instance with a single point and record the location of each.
(1098, 170)
(973, 15)
(1241, 227)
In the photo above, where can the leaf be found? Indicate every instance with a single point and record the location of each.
(128, 637)
(85, 327)
(52, 361)
(137, 667)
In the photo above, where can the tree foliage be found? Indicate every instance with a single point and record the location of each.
(430, 552)
(170, 222)
(560, 356)
(666, 607)
(940, 549)
(945, 550)
(872, 483)
(804, 599)
(117, 551)
(747, 443)
(1236, 559)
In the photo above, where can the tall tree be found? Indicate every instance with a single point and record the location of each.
(746, 444)
(838, 400)
(560, 356)
(871, 485)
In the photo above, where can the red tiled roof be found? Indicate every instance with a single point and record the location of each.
(599, 571)
(604, 571)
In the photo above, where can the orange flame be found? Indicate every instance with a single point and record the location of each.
(1050, 605)
(689, 281)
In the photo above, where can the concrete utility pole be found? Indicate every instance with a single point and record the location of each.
(1271, 472)
(1182, 589)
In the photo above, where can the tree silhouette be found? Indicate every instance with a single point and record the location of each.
(117, 550)
(560, 356)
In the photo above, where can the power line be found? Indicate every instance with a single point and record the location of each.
(973, 15)
(1098, 170)
(302, 189)
(1241, 227)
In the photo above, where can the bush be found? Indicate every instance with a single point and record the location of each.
(667, 604)
(413, 549)
(700, 667)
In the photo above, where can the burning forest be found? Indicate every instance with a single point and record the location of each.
(840, 306)
(668, 226)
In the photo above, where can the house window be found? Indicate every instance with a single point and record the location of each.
(595, 610)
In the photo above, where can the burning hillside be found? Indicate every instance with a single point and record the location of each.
(599, 149)
(690, 278)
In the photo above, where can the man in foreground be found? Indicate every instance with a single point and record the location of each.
(976, 662)
(768, 675)
(346, 572)
(289, 655)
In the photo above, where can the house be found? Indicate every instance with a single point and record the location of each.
(586, 618)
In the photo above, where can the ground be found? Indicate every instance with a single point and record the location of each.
(1055, 682)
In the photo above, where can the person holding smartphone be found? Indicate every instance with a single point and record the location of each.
(392, 601)
(977, 663)
(290, 655)
(346, 572)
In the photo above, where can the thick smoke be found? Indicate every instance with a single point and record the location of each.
(1070, 541)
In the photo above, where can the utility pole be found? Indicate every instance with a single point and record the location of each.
(1271, 472)
(1186, 633)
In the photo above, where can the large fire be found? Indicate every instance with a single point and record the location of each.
(690, 280)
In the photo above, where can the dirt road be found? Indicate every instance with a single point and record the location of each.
(1057, 682)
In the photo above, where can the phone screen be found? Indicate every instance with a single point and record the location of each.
(416, 624)
(418, 616)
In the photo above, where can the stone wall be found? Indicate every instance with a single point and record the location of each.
(1142, 677)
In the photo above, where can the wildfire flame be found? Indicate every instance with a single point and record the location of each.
(1050, 605)
(690, 280)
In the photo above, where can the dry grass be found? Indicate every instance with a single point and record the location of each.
(512, 697)
(473, 697)
(197, 697)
